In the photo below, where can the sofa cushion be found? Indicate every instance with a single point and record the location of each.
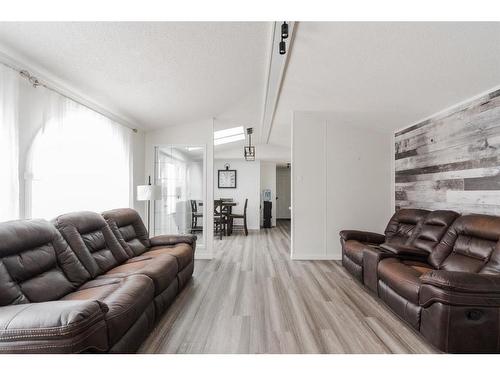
(129, 229)
(162, 269)
(36, 264)
(403, 276)
(182, 252)
(126, 298)
(91, 238)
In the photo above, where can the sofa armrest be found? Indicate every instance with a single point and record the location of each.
(361, 236)
(404, 250)
(53, 327)
(173, 239)
(460, 289)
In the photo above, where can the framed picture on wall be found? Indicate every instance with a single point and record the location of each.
(226, 179)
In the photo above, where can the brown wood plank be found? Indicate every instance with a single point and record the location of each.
(452, 161)
(492, 161)
(482, 183)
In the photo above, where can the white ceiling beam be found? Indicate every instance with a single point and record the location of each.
(275, 76)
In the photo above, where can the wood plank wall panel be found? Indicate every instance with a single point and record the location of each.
(452, 161)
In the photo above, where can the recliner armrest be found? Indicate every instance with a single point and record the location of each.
(172, 239)
(459, 289)
(362, 236)
(404, 250)
(463, 281)
(53, 327)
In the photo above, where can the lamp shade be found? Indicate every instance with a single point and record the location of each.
(148, 192)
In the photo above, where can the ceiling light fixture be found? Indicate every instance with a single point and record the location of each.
(249, 151)
(284, 35)
(284, 30)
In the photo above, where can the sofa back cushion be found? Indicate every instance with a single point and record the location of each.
(91, 238)
(402, 225)
(129, 228)
(36, 264)
(431, 229)
(470, 245)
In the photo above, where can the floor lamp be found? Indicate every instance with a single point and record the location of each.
(148, 193)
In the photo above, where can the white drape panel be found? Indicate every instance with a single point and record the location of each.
(9, 144)
(80, 160)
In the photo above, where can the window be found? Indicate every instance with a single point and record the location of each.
(79, 161)
(9, 167)
(229, 135)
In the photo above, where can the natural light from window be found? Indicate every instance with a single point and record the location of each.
(79, 161)
(229, 135)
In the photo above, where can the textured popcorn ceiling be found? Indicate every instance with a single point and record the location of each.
(156, 74)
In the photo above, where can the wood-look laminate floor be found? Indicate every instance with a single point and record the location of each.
(251, 298)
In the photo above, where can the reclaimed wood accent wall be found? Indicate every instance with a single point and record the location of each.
(452, 161)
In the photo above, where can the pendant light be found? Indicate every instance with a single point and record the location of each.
(249, 151)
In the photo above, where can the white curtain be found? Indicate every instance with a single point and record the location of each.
(9, 144)
(79, 160)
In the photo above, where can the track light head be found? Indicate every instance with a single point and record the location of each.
(282, 47)
(284, 30)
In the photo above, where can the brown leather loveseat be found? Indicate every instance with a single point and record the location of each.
(443, 279)
(86, 282)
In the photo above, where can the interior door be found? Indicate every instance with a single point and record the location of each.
(283, 193)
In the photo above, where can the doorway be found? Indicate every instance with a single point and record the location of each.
(283, 192)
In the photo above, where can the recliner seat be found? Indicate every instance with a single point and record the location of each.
(132, 235)
(89, 233)
(398, 231)
(37, 269)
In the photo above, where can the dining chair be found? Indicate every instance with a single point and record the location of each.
(195, 215)
(243, 216)
(220, 218)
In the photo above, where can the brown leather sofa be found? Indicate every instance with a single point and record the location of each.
(398, 230)
(86, 282)
(444, 279)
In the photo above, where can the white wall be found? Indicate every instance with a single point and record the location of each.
(31, 117)
(247, 186)
(268, 181)
(199, 133)
(340, 180)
